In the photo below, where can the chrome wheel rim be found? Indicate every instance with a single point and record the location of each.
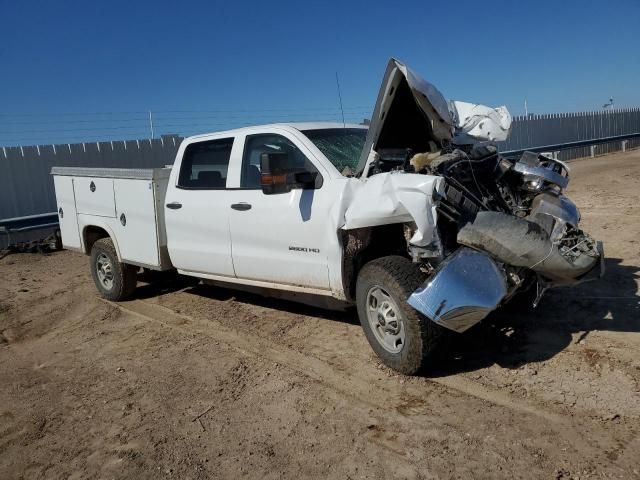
(385, 320)
(104, 269)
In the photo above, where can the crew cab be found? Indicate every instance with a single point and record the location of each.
(364, 216)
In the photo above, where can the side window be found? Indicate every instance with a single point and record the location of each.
(205, 165)
(256, 145)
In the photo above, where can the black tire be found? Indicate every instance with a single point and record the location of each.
(124, 276)
(398, 277)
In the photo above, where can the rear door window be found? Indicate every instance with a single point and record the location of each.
(205, 165)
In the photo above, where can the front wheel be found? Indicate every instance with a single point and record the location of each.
(114, 280)
(402, 338)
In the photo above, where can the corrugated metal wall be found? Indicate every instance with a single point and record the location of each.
(26, 187)
(554, 128)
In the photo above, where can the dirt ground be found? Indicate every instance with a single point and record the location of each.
(192, 382)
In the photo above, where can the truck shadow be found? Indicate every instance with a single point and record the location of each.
(511, 337)
(190, 285)
(347, 315)
(518, 334)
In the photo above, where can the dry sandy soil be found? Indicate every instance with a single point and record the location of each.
(188, 381)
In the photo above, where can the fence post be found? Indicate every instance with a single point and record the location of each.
(593, 150)
(151, 123)
(624, 145)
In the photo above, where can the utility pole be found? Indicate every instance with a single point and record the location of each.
(526, 112)
(151, 123)
(344, 125)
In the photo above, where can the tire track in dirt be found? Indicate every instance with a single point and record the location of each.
(410, 408)
(314, 367)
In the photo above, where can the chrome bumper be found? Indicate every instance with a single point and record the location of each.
(466, 287)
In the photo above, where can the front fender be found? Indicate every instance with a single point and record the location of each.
(396, 197)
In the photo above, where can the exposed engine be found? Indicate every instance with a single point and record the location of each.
(516, 212)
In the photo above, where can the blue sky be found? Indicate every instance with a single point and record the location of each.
(89, 70)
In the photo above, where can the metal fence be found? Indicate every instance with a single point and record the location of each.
(26, 187)
(533, 131)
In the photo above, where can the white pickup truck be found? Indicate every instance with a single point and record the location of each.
(416, 227)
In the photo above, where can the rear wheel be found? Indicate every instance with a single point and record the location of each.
(114, 280)
(402, 338)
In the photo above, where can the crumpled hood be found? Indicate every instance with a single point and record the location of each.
(408, 110)
(412, 114)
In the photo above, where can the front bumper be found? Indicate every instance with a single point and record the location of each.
(466, 287)
(469, 285)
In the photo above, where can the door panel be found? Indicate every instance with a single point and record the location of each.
(94, 196)
(198, 232)
(136, 225)
(67, 211)
(279, 238)
(197, 211)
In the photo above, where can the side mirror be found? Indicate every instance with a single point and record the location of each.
(275, 173)
(279, 176)
(306, 179)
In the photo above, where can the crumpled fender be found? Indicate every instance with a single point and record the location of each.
(396, 197)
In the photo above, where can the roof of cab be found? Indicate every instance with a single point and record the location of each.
(297, 125)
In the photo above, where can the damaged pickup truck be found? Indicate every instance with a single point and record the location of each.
(417, 220)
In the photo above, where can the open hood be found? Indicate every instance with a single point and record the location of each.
(409, 113)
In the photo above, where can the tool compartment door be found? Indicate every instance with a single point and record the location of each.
(136, 226)
(94, 196)
(67, 212)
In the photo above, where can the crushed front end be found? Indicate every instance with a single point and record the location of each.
(495, 225)
(505, 225)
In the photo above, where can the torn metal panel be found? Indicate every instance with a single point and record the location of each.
(479, 123)
(560, 208)
(396, 198)
(522, 243)
(465, 289)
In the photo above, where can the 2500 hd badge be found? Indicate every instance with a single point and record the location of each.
(304, 249)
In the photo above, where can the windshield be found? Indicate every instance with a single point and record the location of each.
(342, 146)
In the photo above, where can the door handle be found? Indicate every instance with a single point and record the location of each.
(241, 206)
(174, 205)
